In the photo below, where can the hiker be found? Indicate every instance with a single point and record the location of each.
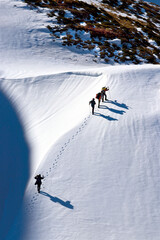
(93, 103)
(103, 92)
(98, 96)
(103, 95)
(38, 181)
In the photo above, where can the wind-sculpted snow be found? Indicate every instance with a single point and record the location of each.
(101, 178)
(47, 101)
(101, 171)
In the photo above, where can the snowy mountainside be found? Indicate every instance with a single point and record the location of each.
(26, 48)
(52, 96)
(102, 173)
(111, 31)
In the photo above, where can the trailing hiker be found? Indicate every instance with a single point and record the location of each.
(93, 103)
(38, 181)
(98, 96)
(103, 93)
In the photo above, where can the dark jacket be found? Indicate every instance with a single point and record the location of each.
(98, 95)
(92, 102)
(38, 179)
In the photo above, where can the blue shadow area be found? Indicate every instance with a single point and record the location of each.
(106, 117)
(66, 204)
(113, 110)
(122, 105)
(14, 167)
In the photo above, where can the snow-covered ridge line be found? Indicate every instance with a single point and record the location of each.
(57, 87)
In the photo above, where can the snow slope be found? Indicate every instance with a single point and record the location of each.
(102, 171)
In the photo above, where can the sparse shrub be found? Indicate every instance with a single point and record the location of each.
(151, 59)
(106, 44)
(136, 61)
(115, 46)
(91, 47)
(51, 14)
(111, 54)
(113, 3)
(102, 54)
(122, 58)
(104, 26)
(106, 60)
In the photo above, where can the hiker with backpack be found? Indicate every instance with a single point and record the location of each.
(93, 103)
(38, 181)
(98, 96)
(103, 93)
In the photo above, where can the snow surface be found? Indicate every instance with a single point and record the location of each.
(102, 172)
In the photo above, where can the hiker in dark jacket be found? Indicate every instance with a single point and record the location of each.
(98, 96)
(38, 181)
(93, 103)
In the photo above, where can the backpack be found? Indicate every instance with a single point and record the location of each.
(98, 95)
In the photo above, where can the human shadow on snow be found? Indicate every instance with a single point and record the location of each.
(106, 117)
(113, 110)
(66, 204)
(122, 105)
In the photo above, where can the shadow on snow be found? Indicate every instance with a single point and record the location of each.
(66, 204)
(122, 105)
(113, 110)
(106, 117)
(14, 170)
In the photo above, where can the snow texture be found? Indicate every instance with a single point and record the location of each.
(101, 171)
